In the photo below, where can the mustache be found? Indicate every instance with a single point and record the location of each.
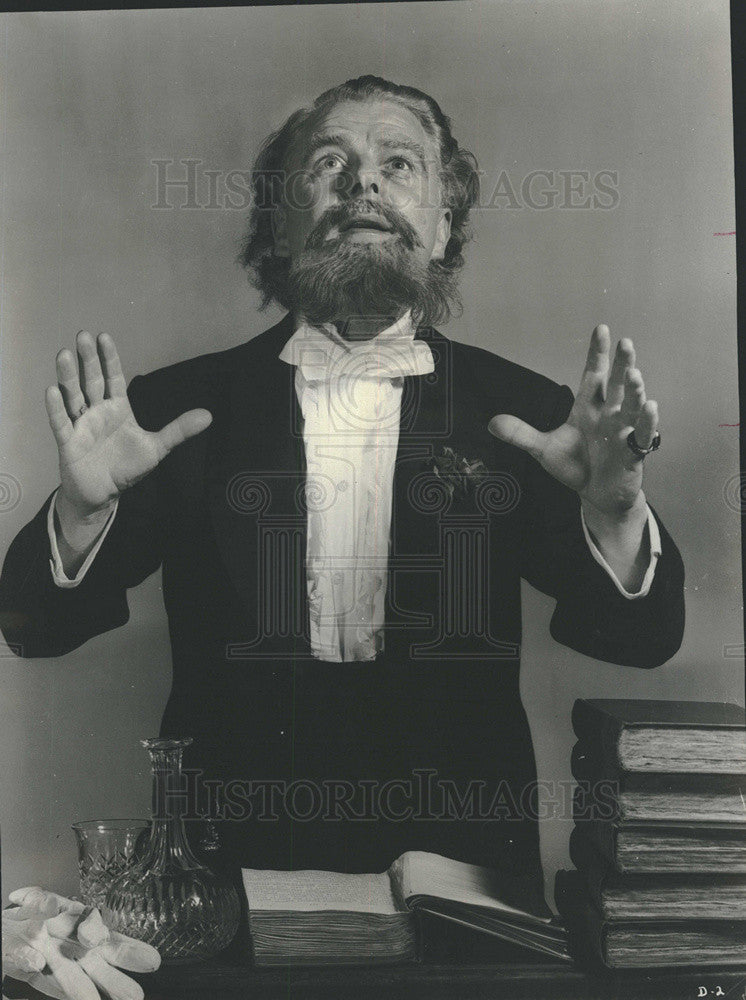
(340, 215)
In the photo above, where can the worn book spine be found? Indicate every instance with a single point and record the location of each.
(590, 723)
(595, 801)
(588, 857)
(589, 715)
(572, 903)
(598, 837)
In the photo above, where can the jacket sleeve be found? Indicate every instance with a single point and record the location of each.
(40, 619)
(591, 615)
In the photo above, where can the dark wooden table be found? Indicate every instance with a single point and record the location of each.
(219, 980)
(216, 980)
(457, 965)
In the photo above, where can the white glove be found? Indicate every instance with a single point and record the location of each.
(63, 949)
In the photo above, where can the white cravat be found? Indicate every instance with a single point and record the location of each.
(350, 397)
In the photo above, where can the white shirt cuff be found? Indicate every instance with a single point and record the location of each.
(55, 563)
(655, 552)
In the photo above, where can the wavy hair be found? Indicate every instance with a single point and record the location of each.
(458, 173)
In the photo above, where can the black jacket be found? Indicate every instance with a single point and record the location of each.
(224, 515)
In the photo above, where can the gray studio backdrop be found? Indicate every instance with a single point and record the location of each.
(91, 100)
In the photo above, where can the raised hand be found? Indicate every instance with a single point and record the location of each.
(102, 449)
(589, 452)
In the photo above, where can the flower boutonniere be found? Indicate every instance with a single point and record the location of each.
(460, 475)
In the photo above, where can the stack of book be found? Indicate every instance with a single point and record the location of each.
(659, 843)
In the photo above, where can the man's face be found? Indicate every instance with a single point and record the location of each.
(366, 173)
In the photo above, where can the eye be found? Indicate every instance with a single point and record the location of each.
(328, 162)
(401, 165)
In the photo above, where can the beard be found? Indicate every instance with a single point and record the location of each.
(341, 279)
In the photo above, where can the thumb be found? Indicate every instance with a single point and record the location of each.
(68, 973)
(45, 903)
(515, 431)
(42, 982)
(115, 983)
(187, 425)
(92, 931)
(129, 953)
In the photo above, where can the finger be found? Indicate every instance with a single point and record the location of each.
(187, 425)
(598, 350)
(40, 899)
(29, 927)
(63, 925)
(59, 420)
(18, 914)
(19, 895)
(634, 395)
(624, 358)
(116, 984)
(91, 376)
(68, 380)
(114, 381)
(130, 954)
(516, 431)
(69, 905)
(37, 900)
(21, 956)
(34, 903)
(88, 927)
(593, 379)
(647, 424)
(69, 974)
(92, 931)
(45, 983)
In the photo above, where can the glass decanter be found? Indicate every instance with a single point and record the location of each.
(169, 898)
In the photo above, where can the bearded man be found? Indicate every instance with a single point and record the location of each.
(344, 507)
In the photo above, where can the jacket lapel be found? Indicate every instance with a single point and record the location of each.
(255, 478)
(425, 425)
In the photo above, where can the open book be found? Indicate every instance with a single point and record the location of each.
(330, 918)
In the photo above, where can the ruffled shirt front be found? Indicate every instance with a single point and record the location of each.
(350, 396)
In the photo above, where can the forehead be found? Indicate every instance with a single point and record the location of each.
(370, 121)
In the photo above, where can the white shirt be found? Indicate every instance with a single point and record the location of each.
(350, 398)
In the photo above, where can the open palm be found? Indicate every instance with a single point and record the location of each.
(102, 449)
(589, 452)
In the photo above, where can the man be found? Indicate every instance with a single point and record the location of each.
(343, 508)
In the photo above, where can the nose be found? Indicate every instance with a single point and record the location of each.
(365, 178)
(364, 184)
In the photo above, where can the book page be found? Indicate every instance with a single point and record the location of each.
(681, 749)
(318, 890)
(425, 874)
